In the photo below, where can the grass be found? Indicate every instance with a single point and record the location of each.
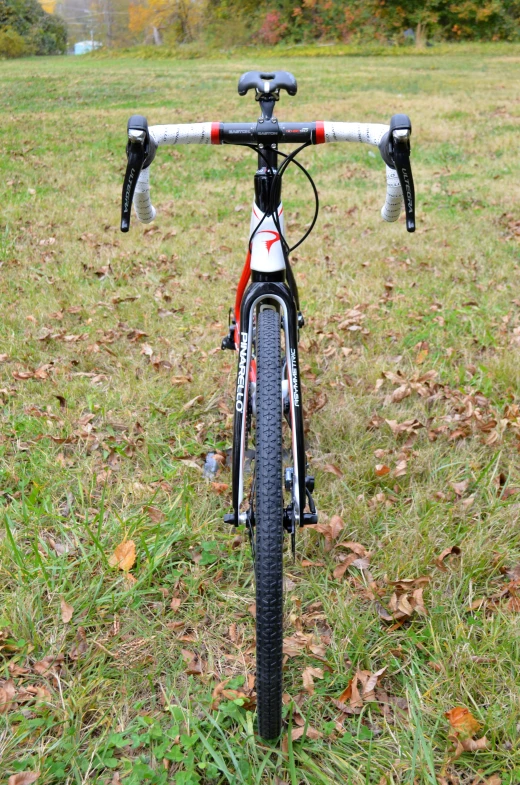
(100, 446)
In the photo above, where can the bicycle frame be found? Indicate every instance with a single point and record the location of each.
(267, 264)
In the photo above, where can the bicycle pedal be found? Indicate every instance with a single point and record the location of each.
(230, 518)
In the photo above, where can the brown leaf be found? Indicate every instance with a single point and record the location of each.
(369, 681)
(311, 733)
(331, 468)
(330, 530)
(460, 487)
(23, 778)
(309, 674)
(194, 664)
(66, 611)
(197, 399)
(400, 469)
(181, 379)
(48, 665)
(421, 356)
(220, 487)
(124, 556)
(382, 469)
(347, 693)
(7, 693)
(463, 722)
(155, 514)
(175, 604)
(453, 550)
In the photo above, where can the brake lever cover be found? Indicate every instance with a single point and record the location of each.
(137, 151)
(401, 157)
(395, 152)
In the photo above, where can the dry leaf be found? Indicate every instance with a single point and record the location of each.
(194, 665)
(453, 550)
(7, 693)
(330, 530)
(175, 604)
(331, 468)
(220, 487)
(23, 778)
(309, 674)
(123, 556)
(66, 611)
(460, 487)
(197, 399)
(311, 733)
(463, 722)
(155, 514)
(382, 469)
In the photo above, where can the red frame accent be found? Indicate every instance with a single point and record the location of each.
(215, 133)
(320, 132)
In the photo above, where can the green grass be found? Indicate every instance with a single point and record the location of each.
(79, 472)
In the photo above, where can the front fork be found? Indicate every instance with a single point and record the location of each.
(296, 482)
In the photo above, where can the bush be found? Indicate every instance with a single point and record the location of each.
(25, 20)
(11, 43)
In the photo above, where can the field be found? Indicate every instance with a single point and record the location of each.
(113, 391)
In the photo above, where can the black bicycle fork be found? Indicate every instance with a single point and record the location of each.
(275, 295)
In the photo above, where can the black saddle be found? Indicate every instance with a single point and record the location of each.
(267, 83)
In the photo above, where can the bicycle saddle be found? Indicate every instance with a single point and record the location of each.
(267, 82)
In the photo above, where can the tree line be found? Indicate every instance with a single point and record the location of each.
(25, 28)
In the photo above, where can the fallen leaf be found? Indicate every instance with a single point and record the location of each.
(330, 530)
(7, 693)
(220, 487)
(310, 733)
(460, 487)
(175, 603)
(309, 674)
(194, 664)
(197, 399)
(382, 469)
(124, 556)
(463, 722)
(66, 611)
(453, 550)
(155, 514)
(331, 468)
(23, 778)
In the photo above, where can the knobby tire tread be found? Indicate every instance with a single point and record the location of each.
(269, 526)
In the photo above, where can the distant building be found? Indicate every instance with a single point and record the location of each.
(82, 47)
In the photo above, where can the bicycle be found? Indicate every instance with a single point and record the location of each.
(267, 307)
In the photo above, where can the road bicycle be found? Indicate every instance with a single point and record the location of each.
(264, 329)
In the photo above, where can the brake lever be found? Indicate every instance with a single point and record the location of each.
(395, 150)
(137, 152)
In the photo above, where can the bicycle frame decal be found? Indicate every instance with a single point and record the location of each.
(241, 376)
(266, 248)
(279, 294)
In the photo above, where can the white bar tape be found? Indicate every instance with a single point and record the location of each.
(142, 203)
(393, 205)
(191, 133)
(369, 133)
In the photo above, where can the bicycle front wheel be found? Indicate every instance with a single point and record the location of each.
(269, 525)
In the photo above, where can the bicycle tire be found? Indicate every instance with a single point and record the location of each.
(269, 526)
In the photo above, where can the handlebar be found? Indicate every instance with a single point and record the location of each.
(393, 142)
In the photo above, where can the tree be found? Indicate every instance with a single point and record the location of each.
(42, 33)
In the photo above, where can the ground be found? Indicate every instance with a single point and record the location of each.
(114, 389)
